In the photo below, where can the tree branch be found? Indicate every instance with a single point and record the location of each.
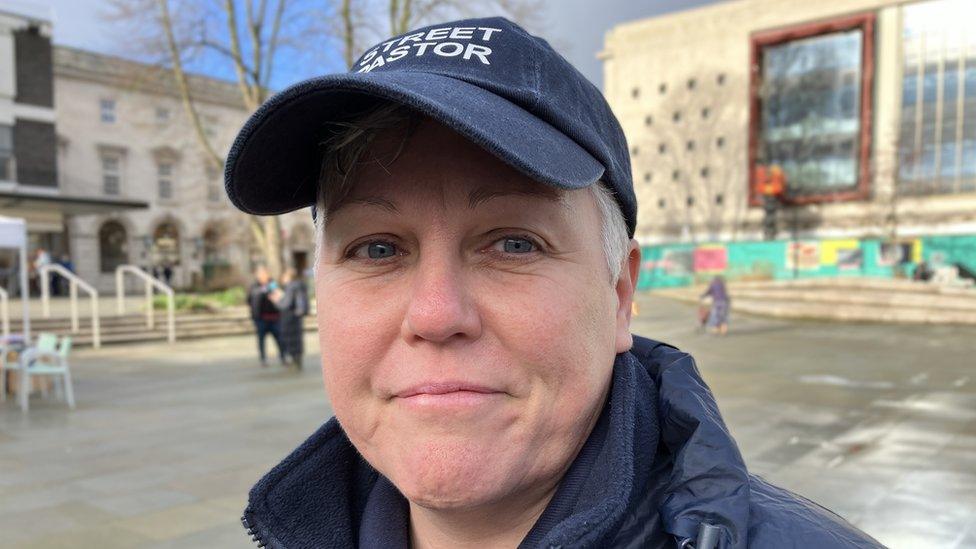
(184, 87)
(235, 47)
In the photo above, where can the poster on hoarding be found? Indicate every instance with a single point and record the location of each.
(804, 256)
(711, 259)
(678, 262)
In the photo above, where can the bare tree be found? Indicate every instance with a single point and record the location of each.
(175, 32)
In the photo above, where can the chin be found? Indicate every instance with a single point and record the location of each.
(451, 474)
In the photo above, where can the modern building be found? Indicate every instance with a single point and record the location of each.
(867, 108)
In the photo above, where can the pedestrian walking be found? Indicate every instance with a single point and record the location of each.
(718, 314)
(264, 313)
(292, 301)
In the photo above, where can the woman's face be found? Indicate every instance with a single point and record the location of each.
(467, 323)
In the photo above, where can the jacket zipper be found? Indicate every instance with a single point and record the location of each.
(252, 531)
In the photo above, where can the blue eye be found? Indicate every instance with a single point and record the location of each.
(380, 250)
(513, 245)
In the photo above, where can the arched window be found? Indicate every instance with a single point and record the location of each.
(113, 246)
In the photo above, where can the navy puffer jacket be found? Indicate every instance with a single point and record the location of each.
(659, 470)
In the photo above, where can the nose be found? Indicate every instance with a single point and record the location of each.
(441, 309)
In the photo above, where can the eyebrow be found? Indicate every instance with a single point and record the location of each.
(476, 198)
(482, 195)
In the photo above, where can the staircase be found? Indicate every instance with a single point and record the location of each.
(847, 300)
(131, 328)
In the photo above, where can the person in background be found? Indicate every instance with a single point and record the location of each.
(41, 258)
(63, 282)
(718, 316)
(264, 313)
(292, 300)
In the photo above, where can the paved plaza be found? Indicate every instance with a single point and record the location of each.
(875, 422)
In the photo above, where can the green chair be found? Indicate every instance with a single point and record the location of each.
(48, 357)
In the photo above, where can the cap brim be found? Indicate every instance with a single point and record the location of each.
(274, 163)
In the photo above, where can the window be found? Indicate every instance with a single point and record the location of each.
(662, 148)
(706, 112)
(107, 109)
(937, 138)
(164, 179)
(662, 89)
(692, 83)
(719, 199)
(7, 172)
(662, 203)
(690, 145)
(705, 172)
(648, 120)
(635, 93)
(720, 79)
(675, 175)
(111, 173)
(808, 115)
(634, 150)
(690, 201)
(214, 188)
(647, 177)
(720, 142)
(162, 115)
(113, 246)
(676, 116)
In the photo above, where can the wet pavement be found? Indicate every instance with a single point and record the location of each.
(875, 422)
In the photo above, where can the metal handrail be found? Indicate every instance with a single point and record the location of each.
(75, 282)
(5, 313)
(151, 282)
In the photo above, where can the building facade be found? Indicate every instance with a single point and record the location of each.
(124, 133)
(867, 108)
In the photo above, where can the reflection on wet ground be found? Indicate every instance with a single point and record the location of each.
(876, 422)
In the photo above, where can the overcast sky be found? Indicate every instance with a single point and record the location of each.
(576, 27)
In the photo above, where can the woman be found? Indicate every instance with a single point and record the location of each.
(718, 317)
(292, 301)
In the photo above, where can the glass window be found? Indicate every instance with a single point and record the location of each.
(214, 187)
(810, 111)
(937, 137)
(107, 108)
(164, 178)
(113, 248)
(162, 115)
(7, 154)
(111, 174)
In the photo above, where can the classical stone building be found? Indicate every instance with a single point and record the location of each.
(123, 133)
(867, 106)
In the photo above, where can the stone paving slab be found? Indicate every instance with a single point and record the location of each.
(875, 422)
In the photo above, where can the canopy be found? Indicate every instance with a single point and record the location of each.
(13, 234)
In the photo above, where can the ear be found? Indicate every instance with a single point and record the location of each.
(625, 287)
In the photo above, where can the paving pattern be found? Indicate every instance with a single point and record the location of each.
(875, 422)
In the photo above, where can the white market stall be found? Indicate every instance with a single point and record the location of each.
(13, 235)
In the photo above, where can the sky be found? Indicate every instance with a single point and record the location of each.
(575, 27)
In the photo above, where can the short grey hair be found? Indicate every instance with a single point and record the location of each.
(343, 150)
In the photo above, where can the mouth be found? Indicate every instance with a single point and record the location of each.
(448, 395)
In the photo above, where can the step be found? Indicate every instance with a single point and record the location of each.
(85, 339)
(859, 297)
(853, 313)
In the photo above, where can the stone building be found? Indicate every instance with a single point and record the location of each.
(123, 133)
(867, 106)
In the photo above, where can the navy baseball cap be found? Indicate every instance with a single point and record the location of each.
(487, 79)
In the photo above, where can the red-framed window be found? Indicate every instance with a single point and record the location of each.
(811, 92)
